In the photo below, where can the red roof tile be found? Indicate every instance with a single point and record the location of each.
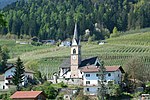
(114, 68)
(26, 94)
(93, 68)
(111, 68)
(90, 68)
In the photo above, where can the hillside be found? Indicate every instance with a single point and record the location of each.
(55, 19)
(117, 51)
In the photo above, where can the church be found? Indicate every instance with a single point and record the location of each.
(84, 72)
(71, 68)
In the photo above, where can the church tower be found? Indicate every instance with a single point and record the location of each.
(75, 54)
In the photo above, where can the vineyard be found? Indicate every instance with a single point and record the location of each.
(116, 51)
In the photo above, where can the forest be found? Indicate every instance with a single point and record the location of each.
(55, 19)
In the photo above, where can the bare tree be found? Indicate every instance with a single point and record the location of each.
(135, 69)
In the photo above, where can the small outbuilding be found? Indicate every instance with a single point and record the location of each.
(28, 95)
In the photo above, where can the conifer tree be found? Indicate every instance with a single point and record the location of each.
(101, 77)
(18, 76)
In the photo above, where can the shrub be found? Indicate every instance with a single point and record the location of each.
(36, 43)
(63, 85)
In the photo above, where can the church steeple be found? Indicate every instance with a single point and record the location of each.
(75, 54)
(75, 40)
(75, 36)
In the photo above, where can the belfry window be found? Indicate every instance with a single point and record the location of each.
(74, 51)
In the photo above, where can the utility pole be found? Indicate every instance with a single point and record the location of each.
(101, 78)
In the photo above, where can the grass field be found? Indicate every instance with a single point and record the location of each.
(117, 51)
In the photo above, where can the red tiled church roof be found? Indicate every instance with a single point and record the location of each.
(26, 94)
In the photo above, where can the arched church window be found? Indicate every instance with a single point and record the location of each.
(74, 51)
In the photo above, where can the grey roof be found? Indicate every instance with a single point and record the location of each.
(9, 66)
(66, 63)
(12, 65)
(75, 36)
(89, 61)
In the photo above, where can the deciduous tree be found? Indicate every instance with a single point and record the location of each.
(2, 21)
(4, 55)
(135, 69)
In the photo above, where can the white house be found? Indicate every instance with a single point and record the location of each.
(6, 78)
(65, 43)
(91, 77)
(114, 73)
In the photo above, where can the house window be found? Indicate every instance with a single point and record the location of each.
(87, 75)
(97, 75)
(8, 81)
(118, 75)
(87, 89)
(109, 74)
(66, 96)
(3, 87)
(72, 80)
(74, 51)
(87, 82)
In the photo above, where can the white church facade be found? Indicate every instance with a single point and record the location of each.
(84, 72)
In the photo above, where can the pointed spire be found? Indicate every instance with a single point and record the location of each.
(75, 36)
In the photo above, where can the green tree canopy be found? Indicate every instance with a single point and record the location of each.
(2, 21)
(18, 76)
(55, 18)
(4, 55)
(115, 32)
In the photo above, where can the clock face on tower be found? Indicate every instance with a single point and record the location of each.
(73, 57)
